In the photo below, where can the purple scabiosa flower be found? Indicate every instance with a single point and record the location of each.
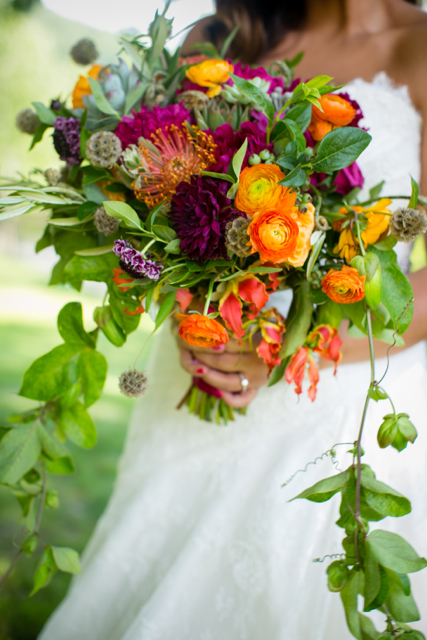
(147, 121)
(66, 140)
(200, 211)
(133, 263)
(229, 141)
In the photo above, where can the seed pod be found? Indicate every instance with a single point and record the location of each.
(337, 573)
(133, 383)
(84, 52)
(406, 432)
(103, 149)
(387, 431)
(27, 121)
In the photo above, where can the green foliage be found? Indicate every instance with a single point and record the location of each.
(340, 147)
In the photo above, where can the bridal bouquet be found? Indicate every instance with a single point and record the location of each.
(195, 188)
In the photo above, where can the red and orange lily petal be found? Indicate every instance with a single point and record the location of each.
(119, 281)
(249, 289)
(325, 341)
(184, 297)
(295, 372)
(272, 327)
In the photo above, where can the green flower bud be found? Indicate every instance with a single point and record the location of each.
(264, 154)
(103, 317)
(306, 198)
(337, 573)
(309, 153)
(387, 431)
(254, 159)
(30, 545)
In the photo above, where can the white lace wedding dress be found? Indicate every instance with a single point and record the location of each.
(199, 541)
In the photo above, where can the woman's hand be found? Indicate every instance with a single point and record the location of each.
(220, 367)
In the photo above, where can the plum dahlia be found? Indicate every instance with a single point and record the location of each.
(200, 211)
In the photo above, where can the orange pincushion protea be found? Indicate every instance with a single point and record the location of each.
(201, 331)
(345, 286)
(180, 154)
(258, 190)
(83, 88)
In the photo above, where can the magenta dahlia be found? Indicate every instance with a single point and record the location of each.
(148, 121)
(200, 211)
(229, 141)
(249, 73)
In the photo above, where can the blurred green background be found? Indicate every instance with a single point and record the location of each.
(35, 66)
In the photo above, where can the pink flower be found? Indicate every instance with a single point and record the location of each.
(229, 141)
(249, 73)
(147, 122)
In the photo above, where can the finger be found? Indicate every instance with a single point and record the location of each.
(240, 399)
(223, 381)
(228, 362)
(190, 364)
(233, 346)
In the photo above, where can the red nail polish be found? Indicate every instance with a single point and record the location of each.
(200, 370)
(219, 393)
(219, 348)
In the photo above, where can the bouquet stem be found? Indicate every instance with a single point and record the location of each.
(205, 401)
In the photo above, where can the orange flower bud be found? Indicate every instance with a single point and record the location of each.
(337, 112)
(258, 190)
(201, 331)
(210, 73)
(345, 286)
(82, 87)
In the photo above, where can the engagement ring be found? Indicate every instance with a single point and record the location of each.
(243, 381)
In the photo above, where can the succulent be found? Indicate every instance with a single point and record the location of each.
(215, 113)
(84, 52)
(133, 383)
(407, 224)
(103, 149)
(236, 233)
(234, 95)
(27, 121)
(104, 223)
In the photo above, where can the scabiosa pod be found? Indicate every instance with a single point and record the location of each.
(407, 224)
(180, 153)
(133, 383)
(134, 263)
(66, 139)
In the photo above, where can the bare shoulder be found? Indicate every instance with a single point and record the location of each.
(410, 57)
(197, 34)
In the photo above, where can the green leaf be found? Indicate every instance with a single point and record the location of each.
(301, 115)
(97, 268)
(51, 446)
(401, 606)
(153, 215)
(101, 101)
(60, 466)
(133, 97)
(381, 596)
(324, 489)
(219, 176)
(96, 251)
(295, 178)
(256, 95)
(229, 39)
(386, 244)
(123, 211)
(71, 329)
(367, 628)
(163, 232)
(94, 193)
(238, 158)
(65, 222)
(46, 115)
(78, 425)
(298, 321)
(38, 136)
(339, 148)
(414, 194)
(45, 571)
(318, 81)
(384, 499)
(376, 190)
(296, 60)
(86, 210)
(396, 294)
(295, 133)
(278, 372)
(92, 370)
(165, 308)
(372, 578)
(394, 553)
(66, 559)
(50, 375)
(19, 451)
(174, 246)
(349, 599)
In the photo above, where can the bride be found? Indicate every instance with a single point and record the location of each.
(199, 541)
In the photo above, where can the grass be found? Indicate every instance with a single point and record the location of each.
(25, 335)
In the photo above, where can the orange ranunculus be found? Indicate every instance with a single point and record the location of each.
(274, 235)
(337, 112)
(82, 87)
(247, 288)
(258, 190)
(201, 331)
(378, 220)
(345, 286)
(210, 73)
(305, 222)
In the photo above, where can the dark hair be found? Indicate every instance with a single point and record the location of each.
(263, 24)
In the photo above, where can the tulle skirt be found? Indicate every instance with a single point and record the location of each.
(199, 540)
